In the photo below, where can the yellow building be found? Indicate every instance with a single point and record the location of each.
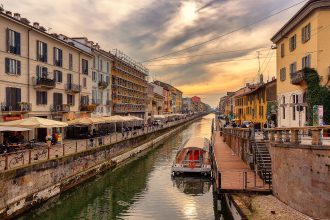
(302, 42)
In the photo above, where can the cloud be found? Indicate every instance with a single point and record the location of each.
(150, 28)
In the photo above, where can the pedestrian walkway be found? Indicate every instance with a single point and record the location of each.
(233, 174)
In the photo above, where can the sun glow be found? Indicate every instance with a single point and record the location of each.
(188, 12)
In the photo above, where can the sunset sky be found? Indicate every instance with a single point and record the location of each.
(147, 29)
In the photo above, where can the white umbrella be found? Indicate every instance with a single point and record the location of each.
(35, 122)
(7, 128)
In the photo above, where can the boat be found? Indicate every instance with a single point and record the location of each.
(193, 157)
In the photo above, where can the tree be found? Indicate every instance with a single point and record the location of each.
(316, 94)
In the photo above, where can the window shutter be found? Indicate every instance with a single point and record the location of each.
(18, 95)
(18, 43)
(18, 67)
(7, 63)
(60, 58)
(8, 92)
(45, 52)
(54, 56)
(38, 50)
(45, 94)
(60, 76)
(7, 39)
(55, 78)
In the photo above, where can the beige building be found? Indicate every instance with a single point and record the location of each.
(101, 77)
(302, 42)
(43, 75)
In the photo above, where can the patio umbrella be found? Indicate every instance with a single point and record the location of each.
(115, 118)
(7, 128)
(35, 122)
(87, 121)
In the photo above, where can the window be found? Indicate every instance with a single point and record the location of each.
(57, 99)
(12, 66)
(84, 100)
(293, 43)
(58, 76)
(41, 98)
(306, 62)
(70, 99)
(13, 96)
(306, 33)
(101, 65)
(13, 42)
(108, 67)
(42, 72)
(100, 77)
(283, 74)
(58, 57)
(94, 76)
(84, 82)
(70, 61)
(41, 51)
(85, 66)
(282, 50)
(293, 67)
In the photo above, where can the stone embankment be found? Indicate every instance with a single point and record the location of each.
(23, 187)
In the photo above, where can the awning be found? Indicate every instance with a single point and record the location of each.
(35, 122)
(8, 128)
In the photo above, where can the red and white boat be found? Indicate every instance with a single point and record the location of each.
(193, 157)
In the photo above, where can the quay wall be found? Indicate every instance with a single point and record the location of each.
(28, 186)
(301, 177)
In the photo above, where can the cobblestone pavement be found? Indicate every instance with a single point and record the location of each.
(261, 207)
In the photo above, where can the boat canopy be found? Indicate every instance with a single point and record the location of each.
(197, 142)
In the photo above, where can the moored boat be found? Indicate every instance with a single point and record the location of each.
(193, 157)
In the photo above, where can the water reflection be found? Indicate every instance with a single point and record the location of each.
(192, 185)
(142, 189)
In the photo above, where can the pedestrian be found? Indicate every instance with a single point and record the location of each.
(252, 131)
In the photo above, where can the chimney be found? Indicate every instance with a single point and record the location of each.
(17, 16)
(1, 8)
(8, 13)
(36, 24)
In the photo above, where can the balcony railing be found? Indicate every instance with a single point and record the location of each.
(60, 108)
(87, 107)
(19, 107)
(103, 84)
(44, 83)
(72, 88)
(297, 77)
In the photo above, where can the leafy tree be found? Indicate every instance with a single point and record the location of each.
(316, 94)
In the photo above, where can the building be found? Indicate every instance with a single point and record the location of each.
(222, 105)
(173, 96)
(99, 103)
(187, 105)
(43, 75)
(302, 42)
(129, 86)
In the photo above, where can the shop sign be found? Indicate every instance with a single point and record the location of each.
(12, 117)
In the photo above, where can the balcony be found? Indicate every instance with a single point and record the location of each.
(103, 85)
(64, 108)
(298, 77)
(87, 107)
(43, 83)
(72, 88)
(19, 107)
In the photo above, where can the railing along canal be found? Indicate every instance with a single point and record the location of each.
(37, 154)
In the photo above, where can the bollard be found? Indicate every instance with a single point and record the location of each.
(48, 155)
(76, 146)
(6, 162)
(63, 145)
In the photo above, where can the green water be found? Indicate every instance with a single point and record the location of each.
(142, 189)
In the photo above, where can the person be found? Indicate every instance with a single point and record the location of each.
(244, 125)
(265, 125)
(251, 127)
(20, 137)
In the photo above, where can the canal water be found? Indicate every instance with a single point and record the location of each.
(140, 189)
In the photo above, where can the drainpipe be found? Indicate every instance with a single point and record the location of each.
(79, 98)
(29, 101)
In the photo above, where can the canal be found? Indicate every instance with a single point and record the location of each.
(140, 189)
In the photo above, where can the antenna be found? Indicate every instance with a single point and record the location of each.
(258, 52)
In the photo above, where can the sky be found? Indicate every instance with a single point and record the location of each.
(148, 29)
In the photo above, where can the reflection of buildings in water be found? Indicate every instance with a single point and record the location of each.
(192, 185)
